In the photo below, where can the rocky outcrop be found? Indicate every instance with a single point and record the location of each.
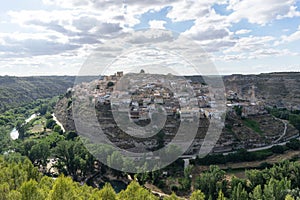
(275, 89)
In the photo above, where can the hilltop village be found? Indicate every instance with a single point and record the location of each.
(142, 96)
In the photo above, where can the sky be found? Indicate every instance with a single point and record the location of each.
(57, 37)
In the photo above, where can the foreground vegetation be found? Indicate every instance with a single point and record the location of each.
(19, 179)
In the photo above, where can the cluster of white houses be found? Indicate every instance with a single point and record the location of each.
(176, 97)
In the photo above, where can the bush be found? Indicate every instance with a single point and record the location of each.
(110, 84)
(293, 144)
(277, 149)
(50, 123)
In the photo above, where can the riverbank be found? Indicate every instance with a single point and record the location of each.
(14, 134)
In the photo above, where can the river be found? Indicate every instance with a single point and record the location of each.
(14, 134)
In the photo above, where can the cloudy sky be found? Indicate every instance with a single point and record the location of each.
(55, 37)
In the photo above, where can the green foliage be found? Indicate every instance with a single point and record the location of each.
(57, 129)
(197, 195)
(50, 123)
(238, 110)
(39, 153)
(221, 196)
(73, 159)
(292, 116)
(239, 193)
(135, 192)
(172, 197)
(29, 191)
(289, 197)
(294, 119)
(242, 155)
(107, 193)
(211, 182)
(110, 84)
(18, 91)
(254, 125)
(43, 109)
(276, 189)
(278, 149)
(257, 193)
(293, 144)
(63, 189)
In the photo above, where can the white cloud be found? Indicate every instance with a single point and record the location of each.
(69, 33)
(209, 27)
(243, 31)
(290, 38)
(292, 13)
(261, 12)
(159, 24)
(250, 44)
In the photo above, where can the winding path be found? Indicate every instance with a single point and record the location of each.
(284, 131)
(58, 122)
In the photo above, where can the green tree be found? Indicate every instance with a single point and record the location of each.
(293, 144)
(136, 192)
(289, 197)
(211, 182)
(257, 193)
(57, 129)
(276, 189)
(107, 193)
(13, 195)
(4, 191)
(277, 149)
(73, 159)
(39, 153)
(63, 189)
(197, 195)
(50, 123)
(110, 84)
(239, 193)
(29, 191)
(221, 196)
(43, 109)
(255, 177)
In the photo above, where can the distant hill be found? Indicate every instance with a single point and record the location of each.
(16, 91)
(279, 89)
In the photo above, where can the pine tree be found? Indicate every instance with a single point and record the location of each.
(257, 193)
(221, 196)
(30, 191)
(289, 197)
(62, 189)
(197, 195)
(239, 193)
(107, 192)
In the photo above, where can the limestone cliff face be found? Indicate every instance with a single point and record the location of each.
(275, 89)
(63, 112)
